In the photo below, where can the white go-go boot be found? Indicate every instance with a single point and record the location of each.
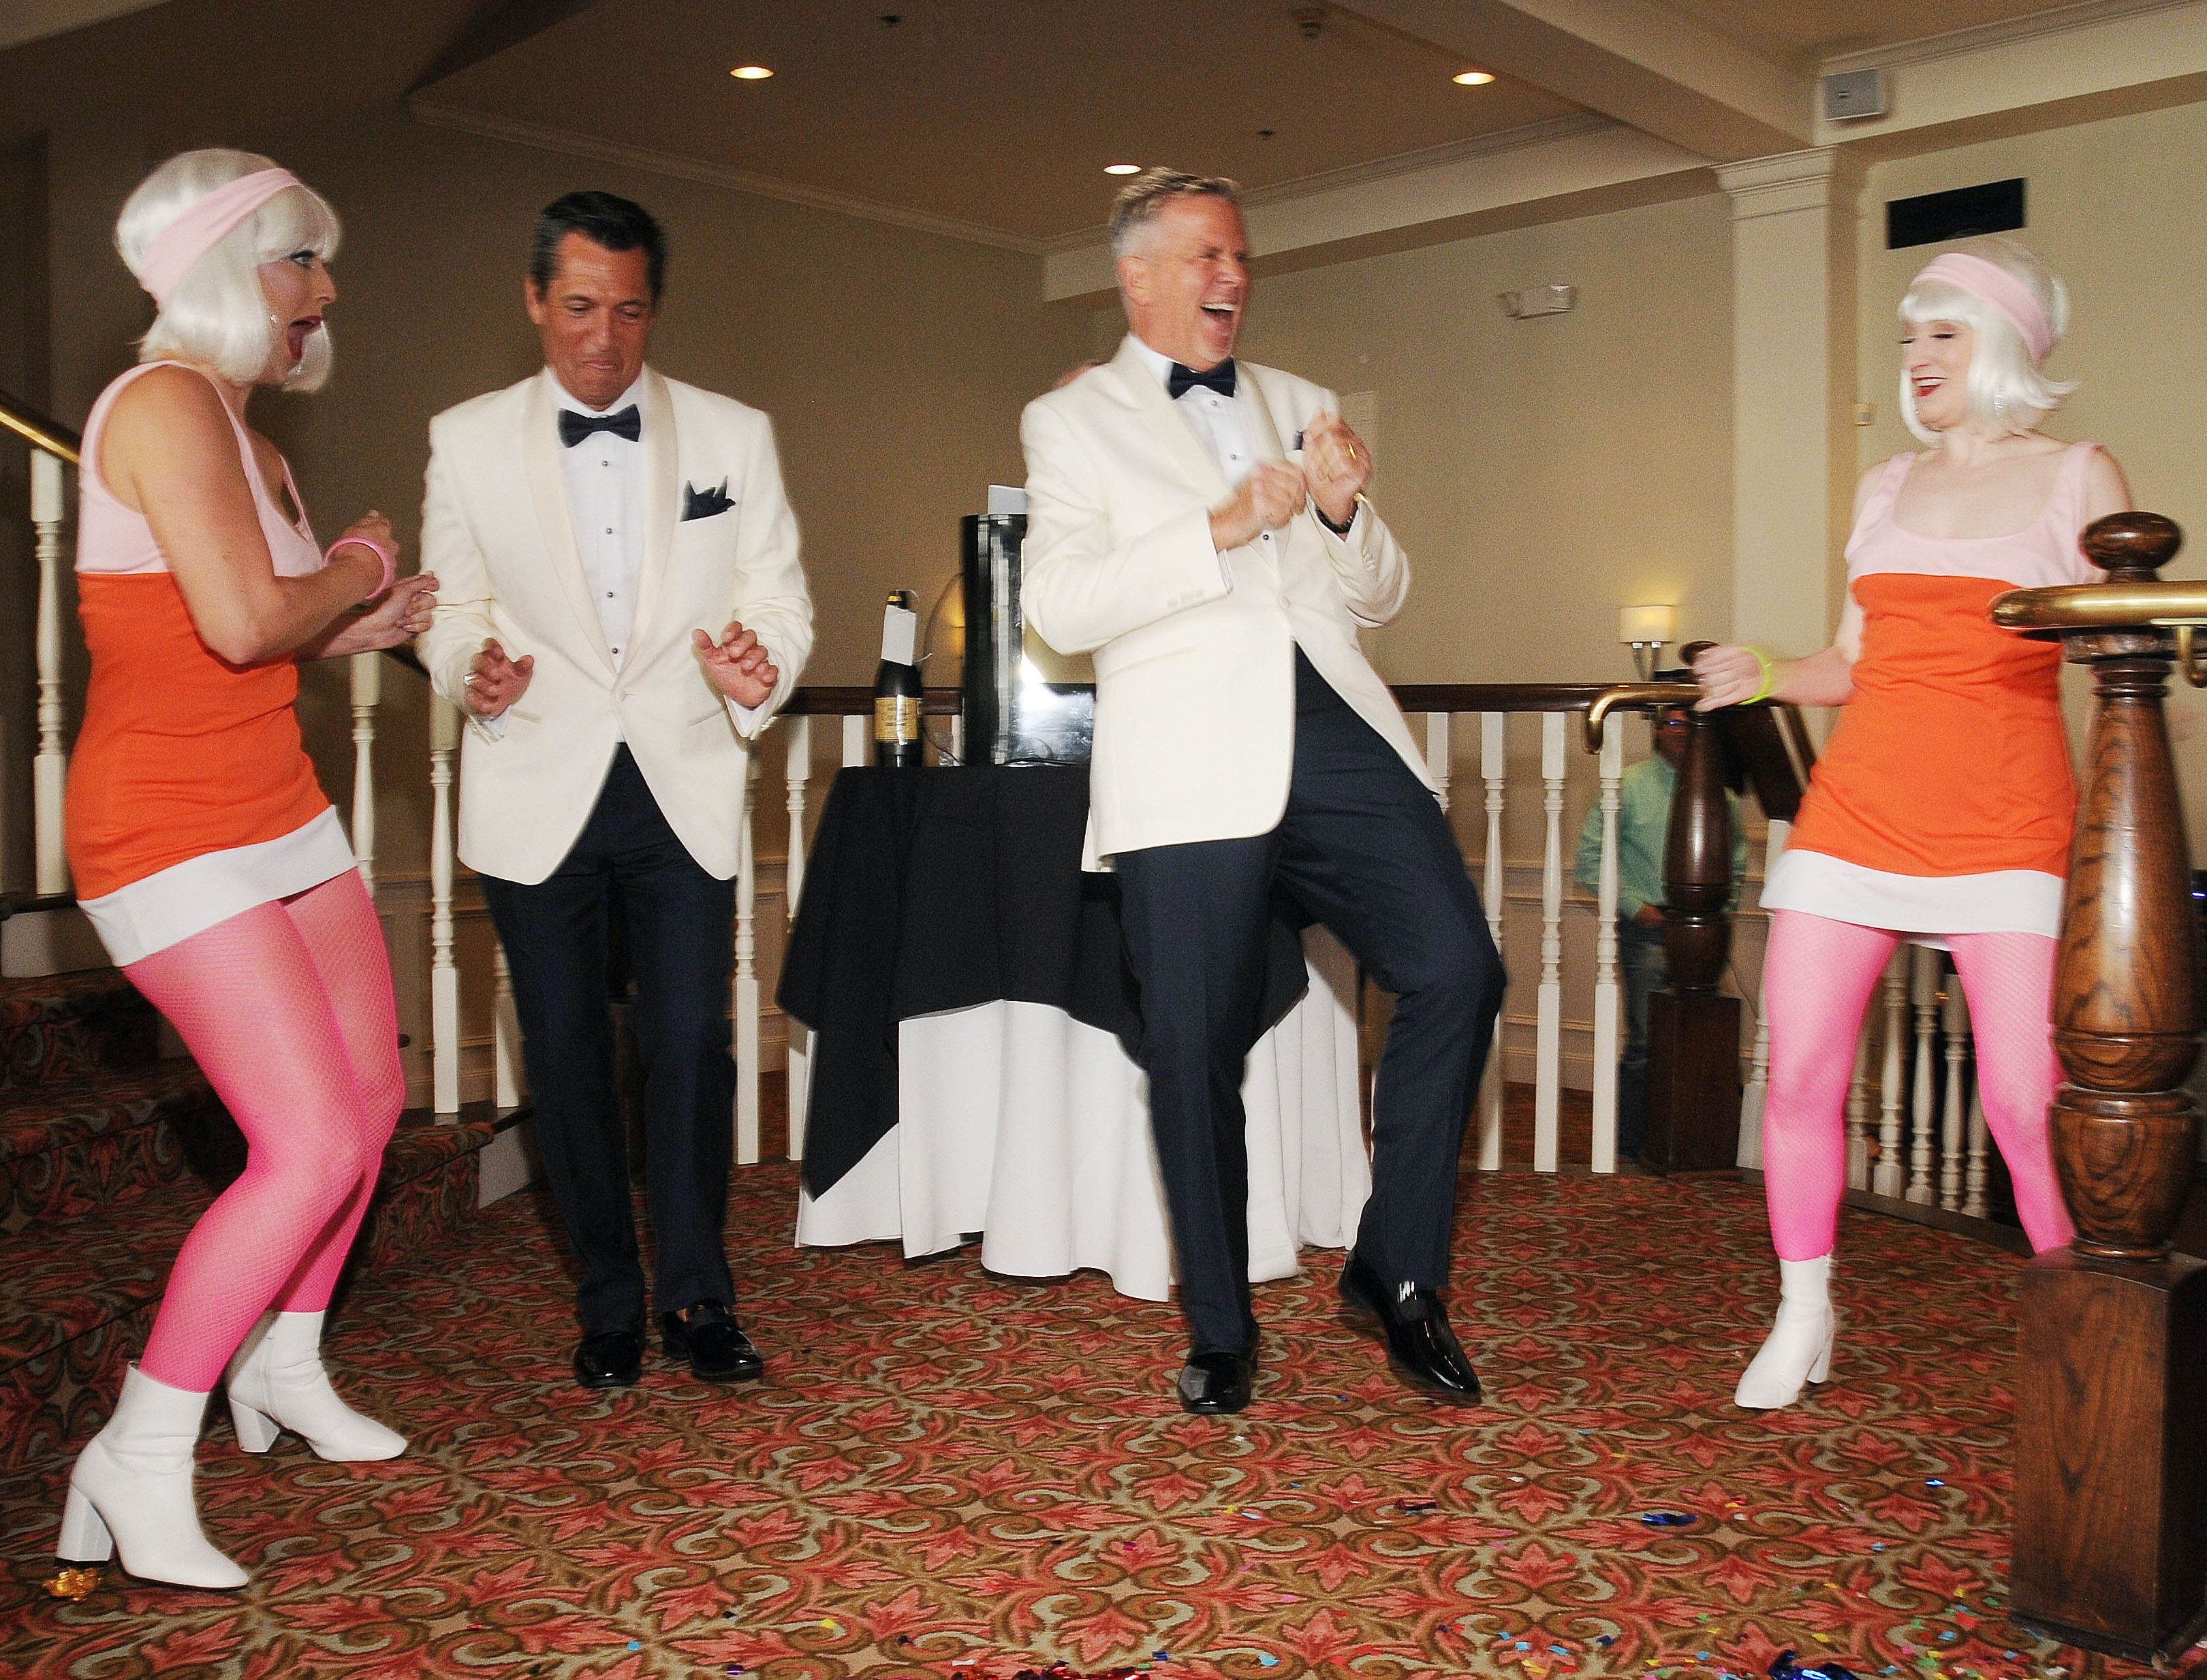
(1799, 1347)
(131, 1490)
(277, 1382)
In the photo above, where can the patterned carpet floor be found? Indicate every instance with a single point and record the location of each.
(948, 1474)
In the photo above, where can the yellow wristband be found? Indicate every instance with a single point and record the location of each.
(1769, 676)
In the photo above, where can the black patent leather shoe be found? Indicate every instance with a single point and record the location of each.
(713, 1343)
(1421, 1346)
(1213, 1384)
(609, 1358)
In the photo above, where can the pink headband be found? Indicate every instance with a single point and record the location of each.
(1999, 288)
(200, 229)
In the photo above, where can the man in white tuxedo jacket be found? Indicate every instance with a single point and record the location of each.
(1200, 527)
(623, 612)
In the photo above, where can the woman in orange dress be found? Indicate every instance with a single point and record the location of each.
(1942, 810)
(204, 851)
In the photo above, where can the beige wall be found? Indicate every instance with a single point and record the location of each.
(894, 362)
(2117, 208)
(1541, 473)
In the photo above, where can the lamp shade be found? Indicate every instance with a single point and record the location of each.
(1647, 624)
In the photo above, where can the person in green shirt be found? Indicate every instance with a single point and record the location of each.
(1643, 824)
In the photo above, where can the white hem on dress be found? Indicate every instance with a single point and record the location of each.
(171, 905)
(1923, 908)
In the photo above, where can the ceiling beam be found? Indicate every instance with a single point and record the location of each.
(2061, 67)
(1572, 165)
(1640, 61)
(26, 21)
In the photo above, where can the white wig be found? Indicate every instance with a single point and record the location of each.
(217, 316)
(2007, 391)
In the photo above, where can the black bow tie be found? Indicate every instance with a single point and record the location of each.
(1219, 379)
(574, 427)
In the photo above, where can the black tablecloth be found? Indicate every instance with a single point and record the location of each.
(928, 890)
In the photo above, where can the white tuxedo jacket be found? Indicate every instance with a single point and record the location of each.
(1195, 705)
(495, 530)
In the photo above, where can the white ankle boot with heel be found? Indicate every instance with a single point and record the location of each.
(131, 1490)
(277, 1382)
(1798, 1350)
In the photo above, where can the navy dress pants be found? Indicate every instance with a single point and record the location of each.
(679, 925)
(1364, 850)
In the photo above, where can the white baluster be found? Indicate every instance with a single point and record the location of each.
(854, 742)
(365, 676)
(1605, 1022)
(1923, 987)
(504, 1033)
(1889, 1177)
(1757, 1092)
(797, 1055)
(1974, 1205)
(1858, 1111)
(1494, 771)
(50, 769)
(958, 738)
(1548, 1042)
(444, 975)
(1955, 1019)
(1436, 753)
(747, 985)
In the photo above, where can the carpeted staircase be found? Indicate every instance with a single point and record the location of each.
(108, 1153)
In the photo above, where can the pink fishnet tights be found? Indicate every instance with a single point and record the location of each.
(287, 1008)
(1817, 980)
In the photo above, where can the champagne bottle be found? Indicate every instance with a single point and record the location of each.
(896, 688)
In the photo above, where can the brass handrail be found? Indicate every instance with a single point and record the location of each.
(39, 430)
(1634, 695)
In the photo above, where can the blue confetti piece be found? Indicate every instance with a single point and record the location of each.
(1785, 1668)
(635, 1645)
(1268, 1660)
(1667, 1519)
(1933, 1481)
(1607, 1639)
(1523, 1645)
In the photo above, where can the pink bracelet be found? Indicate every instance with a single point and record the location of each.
(390, 561)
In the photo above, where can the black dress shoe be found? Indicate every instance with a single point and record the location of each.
(1421, 1346)
(1215, 1383)
(713, 1343)
(609, 1358)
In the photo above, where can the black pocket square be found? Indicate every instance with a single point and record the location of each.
(704, 504)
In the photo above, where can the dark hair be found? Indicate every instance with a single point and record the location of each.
(603, 219)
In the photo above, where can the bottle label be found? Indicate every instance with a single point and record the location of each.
(896, 719)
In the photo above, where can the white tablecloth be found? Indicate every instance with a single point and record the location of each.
(1019, 1123)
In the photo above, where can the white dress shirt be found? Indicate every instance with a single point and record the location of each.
(1222, 425)
(606, 495)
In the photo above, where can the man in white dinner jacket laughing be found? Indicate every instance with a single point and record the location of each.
(1201, 528)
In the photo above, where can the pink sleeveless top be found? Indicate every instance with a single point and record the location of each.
(1943, 802)
(191, 798)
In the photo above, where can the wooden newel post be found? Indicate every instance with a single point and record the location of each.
(2111, 1401)
(1693, 1029)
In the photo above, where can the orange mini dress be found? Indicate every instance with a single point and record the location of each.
(1944, 802)
(191, 798)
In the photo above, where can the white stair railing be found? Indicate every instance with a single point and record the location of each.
(747, 981)
(1606, 994)
(364, 677)
(50, 769)
(444, 973)
(797, 1040)
(1494, 773)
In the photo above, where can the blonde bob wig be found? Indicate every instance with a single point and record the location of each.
(2007, 392)
(218, 316)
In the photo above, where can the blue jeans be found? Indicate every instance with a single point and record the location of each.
(1644, 971)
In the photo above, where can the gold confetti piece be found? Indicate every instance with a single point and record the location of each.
(75, 1585)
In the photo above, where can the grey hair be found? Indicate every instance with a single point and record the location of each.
(2006, 391)
(1142, 198)
(218, 316)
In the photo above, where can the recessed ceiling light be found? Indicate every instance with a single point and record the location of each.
(750, 73)
(1123, 169)
(1467, 79)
